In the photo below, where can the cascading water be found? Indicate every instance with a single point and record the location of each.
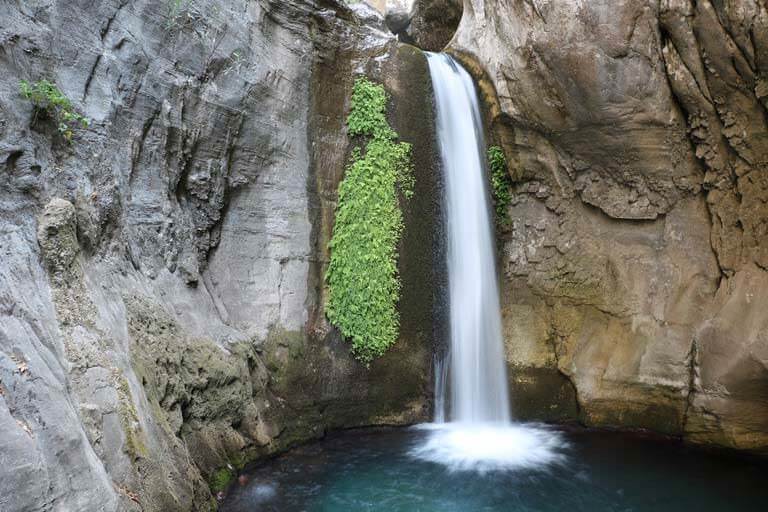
(479, 433)
(478, 376)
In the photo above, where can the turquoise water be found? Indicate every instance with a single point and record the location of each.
(373, 470)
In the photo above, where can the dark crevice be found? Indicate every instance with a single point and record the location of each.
(90, 76)
(13, 157)
(108, 25)
(692, 359)
(138, 146)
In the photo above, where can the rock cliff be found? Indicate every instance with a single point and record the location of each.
(161, 278)
(634, 266)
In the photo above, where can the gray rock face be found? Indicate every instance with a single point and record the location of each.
(397, 20)
(161, 293)
(635, 133)
(57, 236)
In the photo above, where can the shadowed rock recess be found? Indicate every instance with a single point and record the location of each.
(636, 261)
(161, 277)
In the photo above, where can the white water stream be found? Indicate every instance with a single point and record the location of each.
(478, 376)
(478, 433)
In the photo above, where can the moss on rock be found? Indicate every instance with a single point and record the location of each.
(135, 444)
(220, 479)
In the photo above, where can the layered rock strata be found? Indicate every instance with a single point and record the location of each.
(634, 261)
(161, 278)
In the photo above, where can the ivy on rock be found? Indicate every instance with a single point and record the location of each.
(500, 183)
(362, 277)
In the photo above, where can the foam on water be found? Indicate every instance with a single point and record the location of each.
(491, 447)
(261, 492)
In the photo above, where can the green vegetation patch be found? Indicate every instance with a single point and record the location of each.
(501, 183)
(362, 277)
(220, 480)
(48, 98)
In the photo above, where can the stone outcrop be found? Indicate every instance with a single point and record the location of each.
(634, 261)
(427, 24)
(433, 23)
(161, 277)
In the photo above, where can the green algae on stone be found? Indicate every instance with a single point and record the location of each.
(135, 445)
(220, 479)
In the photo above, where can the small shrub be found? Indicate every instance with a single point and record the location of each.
(500, 183)
(48, 98)
(362, 277)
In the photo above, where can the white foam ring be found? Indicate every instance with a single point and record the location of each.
(491, 447)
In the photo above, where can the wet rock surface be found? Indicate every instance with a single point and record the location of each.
(433, 23)
(635, 134)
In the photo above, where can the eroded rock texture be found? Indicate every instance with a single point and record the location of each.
(427, 24)
(161, 277)
(635, 261)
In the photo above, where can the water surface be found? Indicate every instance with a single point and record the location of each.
(376, 470)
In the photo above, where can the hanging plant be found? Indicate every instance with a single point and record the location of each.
(362, 277)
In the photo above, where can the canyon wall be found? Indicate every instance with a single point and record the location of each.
(635, 260)
(161, 278)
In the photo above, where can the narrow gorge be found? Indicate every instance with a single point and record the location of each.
(228, 229)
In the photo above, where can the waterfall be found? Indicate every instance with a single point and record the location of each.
(440, 391)
(479, 434)
(478, 376)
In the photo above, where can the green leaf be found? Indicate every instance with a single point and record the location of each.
(45, 96)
